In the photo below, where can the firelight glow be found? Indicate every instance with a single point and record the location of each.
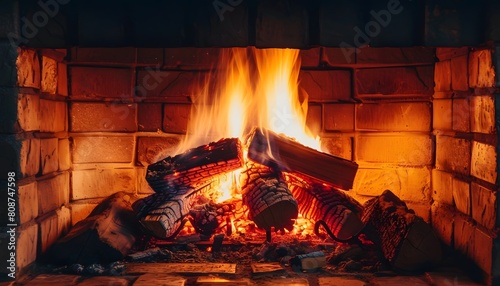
(250, 88)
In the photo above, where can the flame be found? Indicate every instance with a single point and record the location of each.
(249, 88)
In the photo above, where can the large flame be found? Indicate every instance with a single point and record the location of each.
(250, 88)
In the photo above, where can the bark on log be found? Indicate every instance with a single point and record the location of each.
(273, 150)
(266, 194)
(195, 165)
(339, 212)
(106, 235)
(407, 241)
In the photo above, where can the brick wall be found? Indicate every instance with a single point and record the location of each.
(34, 144)
(464, 181)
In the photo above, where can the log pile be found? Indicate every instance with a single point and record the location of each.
(406, 240)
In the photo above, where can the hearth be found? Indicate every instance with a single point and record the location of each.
(93, 94)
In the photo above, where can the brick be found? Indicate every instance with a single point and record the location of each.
(28, 68)
(48, 232)
(79, 211)
(447, 149)
(340, 146)
(461, 114)
(463, 236)
(104, 56)
(409, 184)
(49, 75)
(281, 24)
(326, 85)
(484, 253)
(104, 280)
(442, 114)
(152, 149)
(483, 114)
(408, 150)
(62, 79)
(55, 279)
(484, 162)
(176, 117)
(339, 117)
(421, 209)
(149, 116)
(484, 206)
(442, 222)
(156, 83)
(49, 155)
(100, 183)
(450, 52)
(442, 76)
(459, 76)
(92, 82)
(8, 68)
(28, 108)
(53, 116)
(53, 193)
(409, 55)
(406, 116)
(442, 187)
(338, 56)
(26, 248)
(142, 185)
(462, 196)
(314, 119)
(63, 220)
(64, 154)
(310, 57)
(29, 159)
(150, 56)
(396, 81)
(191, 58)
(28, 202)
(103, 149)
(103, 117)
(481, 69)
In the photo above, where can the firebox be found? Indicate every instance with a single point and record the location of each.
(94, 93)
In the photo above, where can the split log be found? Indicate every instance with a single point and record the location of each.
(407, 241)
(273, 150)
(106, 235)
(163, 214)
(333, 209)
(195, 165)
(208, 218)
(266, 194)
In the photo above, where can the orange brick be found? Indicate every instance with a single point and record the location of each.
(484, 251)
(176, 117)
(64, 155)
(442, 187)
(28, 202)
(191, 58)
(53, 116)
(142, 185)
(164, 84)
(152, 149)
(53, 193)
(484, 162)
(408, 55)
(339, 117)
(414, 116)
(461, 196)
(442, 114)
(29, 159)
(26, 248)
(335, 56)
(414, 150)
(326, 85)
(92, 82)
(49, 75)
(28, 68)
(453, 154)
(79, 211)
(314, 119)
(481, 69)
(62, 79)
(459, 72)
(28, 108)
(442, 76)
(463, 235)
(103, 149)
(101, 183)
(103, 117)
(49, 155)
(442, 222)
(461, 114)
(484, 205)
(310, 57)
(483, 114)
(340, 146)
(104, 55)
(149, 116)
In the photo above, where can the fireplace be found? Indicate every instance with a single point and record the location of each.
(91, 97)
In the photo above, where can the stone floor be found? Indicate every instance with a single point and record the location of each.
(178, 274)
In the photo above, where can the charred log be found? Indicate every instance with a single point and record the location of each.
(211, 217)
(195, 166)
(407, 241)
(266, 194)
(336, 211)
(275, 150)
(106, 235)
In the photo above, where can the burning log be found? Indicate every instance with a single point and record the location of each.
(407, 241)
(195, 165)
(273, 150)
(163, 214)
(266, 194)
(209, 217)
(337, 212)
(106, 235)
